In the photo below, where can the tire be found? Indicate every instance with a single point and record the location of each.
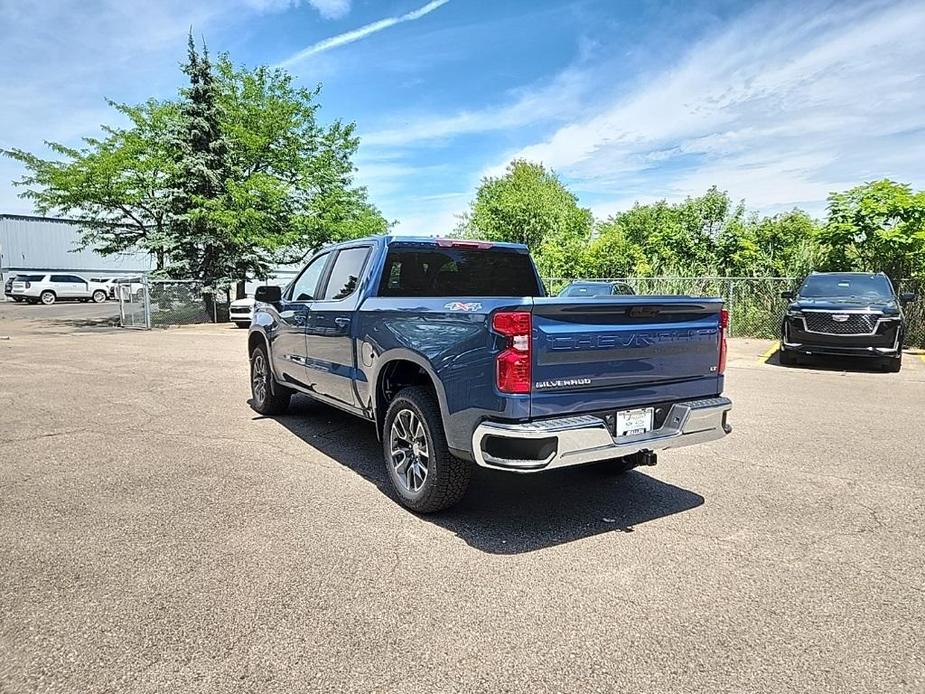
(267, 396)
(47, 297)
(424, 474)
(893, 364)
(99, 296)
(787, 358)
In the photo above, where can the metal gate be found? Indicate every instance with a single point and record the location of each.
(134, 303)
(145, 303)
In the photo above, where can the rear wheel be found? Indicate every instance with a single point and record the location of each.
(47, 297)
(423, 472)
(267, 396)
(99, 296)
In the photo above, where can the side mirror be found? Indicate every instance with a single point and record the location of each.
(268, 294)
(787, 295)
(908, 297)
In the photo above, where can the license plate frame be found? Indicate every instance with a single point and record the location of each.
(634, 422)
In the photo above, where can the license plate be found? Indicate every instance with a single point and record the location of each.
(631, 422)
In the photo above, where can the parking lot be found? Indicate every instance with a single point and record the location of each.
(157, 535)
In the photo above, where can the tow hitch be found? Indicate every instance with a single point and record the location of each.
(646, 458)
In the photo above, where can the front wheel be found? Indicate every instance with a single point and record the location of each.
(99, 296)
(267, 396)
(423, 472)
(893, 364)
(787, 358)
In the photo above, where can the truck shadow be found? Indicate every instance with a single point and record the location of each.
(504, 513)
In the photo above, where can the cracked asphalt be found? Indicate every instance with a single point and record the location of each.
(156, 535)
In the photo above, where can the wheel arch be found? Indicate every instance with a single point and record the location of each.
(401, 371)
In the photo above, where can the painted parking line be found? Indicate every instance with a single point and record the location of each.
(772, 350)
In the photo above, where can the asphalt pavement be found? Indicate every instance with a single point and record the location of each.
(157, 535)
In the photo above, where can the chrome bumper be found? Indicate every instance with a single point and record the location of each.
(586, 438)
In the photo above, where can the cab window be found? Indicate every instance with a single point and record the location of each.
(305, 288)
(345, 274)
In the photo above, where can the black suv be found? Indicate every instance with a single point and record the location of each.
(847, 314)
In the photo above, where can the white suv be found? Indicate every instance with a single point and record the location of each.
(49, 288)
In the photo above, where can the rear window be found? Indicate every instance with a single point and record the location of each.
(451, 272)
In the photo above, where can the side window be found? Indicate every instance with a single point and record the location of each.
(345, 275)
(60, 278)
(75, 278)
(305, 287)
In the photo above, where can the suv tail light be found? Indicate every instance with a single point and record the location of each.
(723, 325)
(28, 285)
(513, 370)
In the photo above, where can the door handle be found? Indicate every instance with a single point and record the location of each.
(342, 322)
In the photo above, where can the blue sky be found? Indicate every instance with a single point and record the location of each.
(778, 103)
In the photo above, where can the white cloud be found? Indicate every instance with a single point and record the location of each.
(552, 101)
(361, 33)
(778, 109)
(329, 9)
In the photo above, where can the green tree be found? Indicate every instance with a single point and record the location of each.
(788, 244)
(291, 187)
(116, 186)
(200, 247)
(878, 226)
(528, 204)
(231, 178)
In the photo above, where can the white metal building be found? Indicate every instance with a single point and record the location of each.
(37, 244)
(44, 244)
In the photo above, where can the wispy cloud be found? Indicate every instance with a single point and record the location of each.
(361, 33)
(553, 101)
(329, 9)
(777, 108)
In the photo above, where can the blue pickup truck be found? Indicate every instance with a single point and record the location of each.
(455, 353)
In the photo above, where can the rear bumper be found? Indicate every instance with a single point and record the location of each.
(583, 439)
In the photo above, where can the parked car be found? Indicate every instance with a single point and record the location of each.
(845, 314)
(597, 288)
(49, 288)
(8, 289)
(241, 311)
(452, 350)
(109, 283)
(128, 288)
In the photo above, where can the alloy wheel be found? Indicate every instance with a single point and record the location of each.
(410, 454)
(259, 378)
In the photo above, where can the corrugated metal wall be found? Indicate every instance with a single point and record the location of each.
(37, 243)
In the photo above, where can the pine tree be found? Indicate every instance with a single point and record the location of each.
(200, 247)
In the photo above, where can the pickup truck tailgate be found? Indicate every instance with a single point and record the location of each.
(603, 353)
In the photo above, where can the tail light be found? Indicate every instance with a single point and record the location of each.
(723, 325)
(513, 370)
(28, 285)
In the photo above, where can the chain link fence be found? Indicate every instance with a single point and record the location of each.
(148, 303)
(755, 305)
